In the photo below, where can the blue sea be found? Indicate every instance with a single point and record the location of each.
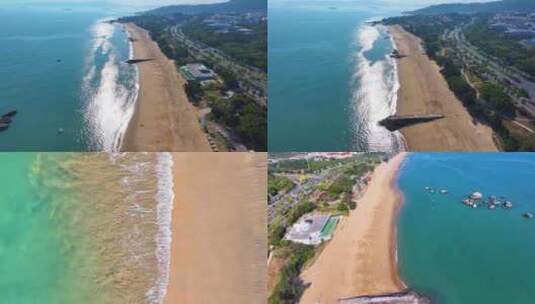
(330, 77)
(62, 69)
(459, 255)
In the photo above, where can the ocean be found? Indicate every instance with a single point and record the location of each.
(330, 77)
(456, 254)
(63, 70)
(85, 228)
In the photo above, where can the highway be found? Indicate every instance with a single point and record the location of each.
(252, 80)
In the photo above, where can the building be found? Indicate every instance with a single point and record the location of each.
(312, 229)
(197, 72)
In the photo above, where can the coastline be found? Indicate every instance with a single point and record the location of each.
(218, 249)
(361, 258)
(423, 90)
(163, 118)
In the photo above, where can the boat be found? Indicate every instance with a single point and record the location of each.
(10, 113)
(444, 191)
(476, 196)
(6, 120)
(508, 204)
(528, 215)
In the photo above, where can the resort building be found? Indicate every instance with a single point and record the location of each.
(197, 72)
(312, 229)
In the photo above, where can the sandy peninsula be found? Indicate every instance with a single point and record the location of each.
(164, 120)
(361, 257)
(423, 90)
(218, 250)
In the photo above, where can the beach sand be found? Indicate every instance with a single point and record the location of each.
(219, 229)
(164, 119)
(361, 257)
(423, 90)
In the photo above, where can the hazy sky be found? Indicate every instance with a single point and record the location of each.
(429, 2)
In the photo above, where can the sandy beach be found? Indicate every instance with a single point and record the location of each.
(164, 120)
(361, 258)
(218, 251)
(423, 90)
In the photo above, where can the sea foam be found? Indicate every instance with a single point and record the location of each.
(374, 94)
(164, 196)
(110, 89)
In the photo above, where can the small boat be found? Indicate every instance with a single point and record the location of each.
(443, 191)
(528, 215)
(508, 204)
(10, 114)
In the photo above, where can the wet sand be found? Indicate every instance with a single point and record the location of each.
(423, 90)
(164, 119)
(361, 257)
(218, 251)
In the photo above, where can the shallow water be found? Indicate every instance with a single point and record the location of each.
(84, 228)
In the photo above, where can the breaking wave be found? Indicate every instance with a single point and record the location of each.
(374, 86)
(110, 87)
(164, 197)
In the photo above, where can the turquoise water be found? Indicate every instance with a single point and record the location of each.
(460, 255)
(34, 259)
(330, 79)
(84, 228)
(61, 66)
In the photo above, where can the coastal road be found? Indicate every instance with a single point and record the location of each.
(252, 80)
(509, 74)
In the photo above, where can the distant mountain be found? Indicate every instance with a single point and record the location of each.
(472, 8)
(234, 6)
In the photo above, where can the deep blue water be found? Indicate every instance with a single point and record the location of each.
(330, 80)
(460, 255)
(45, 73)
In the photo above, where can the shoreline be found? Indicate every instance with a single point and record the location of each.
(423, 90)
(219, 220)
(163, 118)
(361, 259)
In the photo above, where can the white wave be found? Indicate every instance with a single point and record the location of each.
(374, 94)
(164, 196)
(110, 103)
(102, 31)
(367, 35)
(111, 108)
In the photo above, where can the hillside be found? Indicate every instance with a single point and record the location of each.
(232, 6)
(472, 8)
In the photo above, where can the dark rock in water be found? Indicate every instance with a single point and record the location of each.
(528, 215)
(403, 297)
(10, 114)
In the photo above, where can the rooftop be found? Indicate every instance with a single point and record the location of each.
(197, 71)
